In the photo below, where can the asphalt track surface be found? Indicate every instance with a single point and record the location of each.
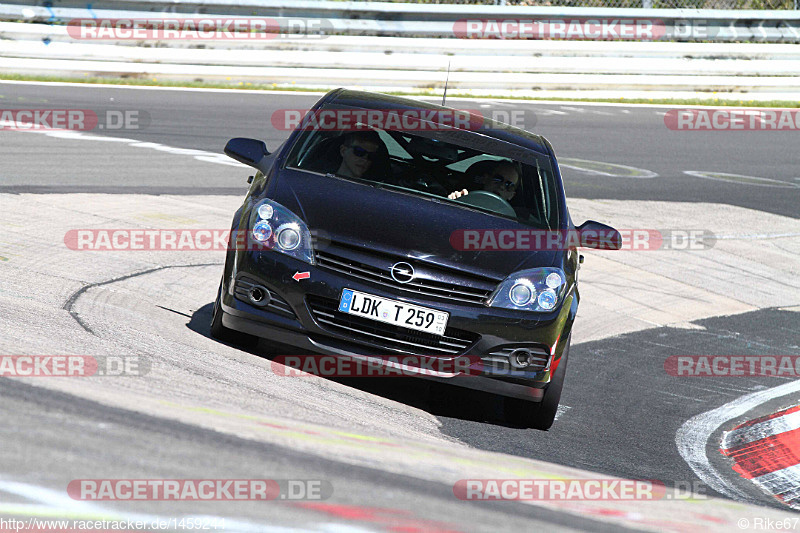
(631, 136)
(100, 440)
(622, 411)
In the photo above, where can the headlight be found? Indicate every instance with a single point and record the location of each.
(277, 228)
(521, 294)
(262, 231)
(536, 289)
(288, 236)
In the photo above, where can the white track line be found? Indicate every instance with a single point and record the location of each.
(200, 155)
(574, 164)
(759, 182)
(546, 112)
(757, 236)
(693, 436)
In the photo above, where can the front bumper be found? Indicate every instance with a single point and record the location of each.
(295, 320)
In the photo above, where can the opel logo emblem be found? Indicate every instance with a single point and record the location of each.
(402, 272)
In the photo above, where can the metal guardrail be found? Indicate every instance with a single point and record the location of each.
(397, 10)
(408, 46)
(452, 48)
(365, 65)
(425, 20)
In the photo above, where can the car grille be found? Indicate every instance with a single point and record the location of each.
(464, 289)
(387, 336)
(276, 304)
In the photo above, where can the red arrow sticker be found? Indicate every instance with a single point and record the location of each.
(301, 275)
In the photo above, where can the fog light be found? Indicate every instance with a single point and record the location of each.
(262, 231)
(520, 294)
(520, 358)
(259, 296)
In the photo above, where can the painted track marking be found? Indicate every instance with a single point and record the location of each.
(767, 452)
(693, 436)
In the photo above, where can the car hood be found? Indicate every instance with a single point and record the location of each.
(398, 223)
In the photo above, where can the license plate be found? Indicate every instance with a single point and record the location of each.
(393, 312)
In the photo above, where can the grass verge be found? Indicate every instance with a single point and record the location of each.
(233, 85)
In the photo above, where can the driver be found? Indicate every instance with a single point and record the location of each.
(498, 177)
(359, 150)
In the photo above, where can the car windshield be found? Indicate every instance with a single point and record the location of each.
(461, 167)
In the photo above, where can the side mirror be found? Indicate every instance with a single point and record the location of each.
(596, 235)
(247, 151)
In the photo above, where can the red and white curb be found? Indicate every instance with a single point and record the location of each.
(766, 450)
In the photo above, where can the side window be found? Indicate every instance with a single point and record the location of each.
(394, 148)
(303, 147)
(463, 165)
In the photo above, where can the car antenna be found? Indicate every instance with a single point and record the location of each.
(447, 79)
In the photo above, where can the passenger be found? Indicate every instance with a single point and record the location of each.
(359, 150)
(498, 177)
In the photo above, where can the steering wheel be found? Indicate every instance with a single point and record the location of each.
(488, 200)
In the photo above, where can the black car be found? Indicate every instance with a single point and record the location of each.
(378, 228)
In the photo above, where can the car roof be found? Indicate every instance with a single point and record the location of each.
(370, 100)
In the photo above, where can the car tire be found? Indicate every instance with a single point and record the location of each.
(228, 335)
(540, 415)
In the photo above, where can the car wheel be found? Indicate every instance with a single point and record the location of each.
(228, 335)
(540, 415)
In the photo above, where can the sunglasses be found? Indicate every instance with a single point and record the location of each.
(508, 185)
(360, 152)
